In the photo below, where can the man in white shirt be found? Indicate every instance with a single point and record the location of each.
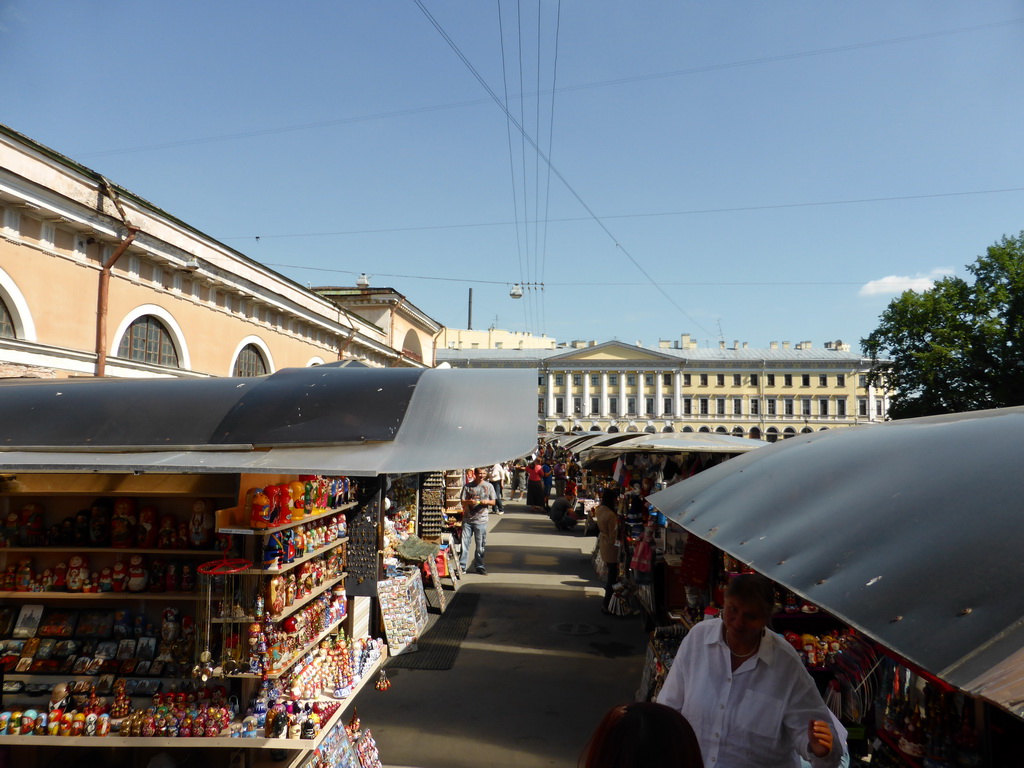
(745, 690)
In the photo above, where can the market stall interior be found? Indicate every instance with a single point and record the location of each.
(215, 557)
(904, 536)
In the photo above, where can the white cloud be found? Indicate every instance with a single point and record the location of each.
(893, 285)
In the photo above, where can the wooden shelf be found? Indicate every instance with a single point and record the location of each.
(118, 484)
(50, 596)
(215, 553)
(268, 531)
(289, 610)
(190, 743)
(296, 562)
(286, 666)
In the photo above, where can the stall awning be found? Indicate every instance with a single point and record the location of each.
(909, 531)
(680, 442)
(324, 419)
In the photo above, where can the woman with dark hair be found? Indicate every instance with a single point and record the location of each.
(642, 735)
(607, 518)
(745, 690)
(535, 486)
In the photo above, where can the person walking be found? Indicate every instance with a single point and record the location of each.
(497, 478)
(559, 472)
(477, 497)
(519, 479)
(607, 518)
(535, 486)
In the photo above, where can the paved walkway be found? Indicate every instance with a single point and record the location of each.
(539, 668)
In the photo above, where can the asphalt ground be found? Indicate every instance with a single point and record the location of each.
(538, 669)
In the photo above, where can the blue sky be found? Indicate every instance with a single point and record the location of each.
(734, 170)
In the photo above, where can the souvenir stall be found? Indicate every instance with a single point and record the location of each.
(194, 564)
(896, 556)
(653, 575)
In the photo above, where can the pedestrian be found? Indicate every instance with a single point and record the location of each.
(607, 518)
(642, 734)
(549, 480)
(496, 478)
(559, 472)
(519, 479)
(746, 690)
(563, 512)
(535, 486)
(477, 496)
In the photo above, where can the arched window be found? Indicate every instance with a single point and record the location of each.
(6, 323)
(148, 341)
(250, 362)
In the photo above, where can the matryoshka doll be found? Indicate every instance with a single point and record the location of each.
(297, 489)
(147, 531)
(123, 521)
(201, 525)
(167, 536)
(119, 577)
(78, 573)
(137, 577)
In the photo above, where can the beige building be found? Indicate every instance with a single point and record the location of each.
(493, 338)
(96, 281)
(765, 394)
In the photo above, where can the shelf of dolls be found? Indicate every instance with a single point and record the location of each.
(57, 596)
(259, 742)
(249, 531)
(305, 745)
(289, 610)
(297, 561)
(115, 484)
(285, 665)
(111, 550)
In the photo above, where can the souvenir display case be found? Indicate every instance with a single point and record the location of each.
(145, 610)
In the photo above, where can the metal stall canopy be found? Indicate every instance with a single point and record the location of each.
(317, 420)
(695, 442)
(909, 531)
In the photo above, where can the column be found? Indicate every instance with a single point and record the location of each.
(622, 393)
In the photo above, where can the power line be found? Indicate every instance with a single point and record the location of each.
(689, 212)
(573, 283)
(582, 86)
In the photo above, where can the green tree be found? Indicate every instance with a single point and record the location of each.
(957, 346)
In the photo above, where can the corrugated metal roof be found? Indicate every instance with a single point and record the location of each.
(355, 421)
(909, 531)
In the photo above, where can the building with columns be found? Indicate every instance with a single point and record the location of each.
(765, 394)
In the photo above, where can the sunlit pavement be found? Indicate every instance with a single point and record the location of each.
(538, 669)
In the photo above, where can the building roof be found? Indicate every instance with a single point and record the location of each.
(615, 351)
